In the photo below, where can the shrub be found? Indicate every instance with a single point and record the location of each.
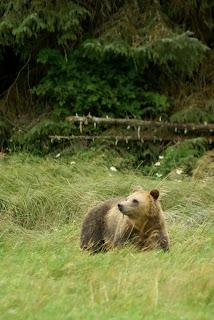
(103, 88)
(181, 155)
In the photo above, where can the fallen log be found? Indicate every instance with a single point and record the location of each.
(143, 123)
(116, 139)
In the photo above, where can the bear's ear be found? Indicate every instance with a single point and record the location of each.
(137, 188)
(155, 193)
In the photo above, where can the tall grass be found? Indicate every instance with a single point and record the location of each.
(44, 275)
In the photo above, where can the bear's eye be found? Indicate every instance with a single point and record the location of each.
(135, 201)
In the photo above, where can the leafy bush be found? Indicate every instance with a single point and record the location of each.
(181, 155)
(82, 86)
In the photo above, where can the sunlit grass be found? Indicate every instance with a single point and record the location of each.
(44, 275)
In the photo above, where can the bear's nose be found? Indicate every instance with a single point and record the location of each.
(164, 245)
(120, 207)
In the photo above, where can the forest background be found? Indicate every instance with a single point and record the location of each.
(145, 59)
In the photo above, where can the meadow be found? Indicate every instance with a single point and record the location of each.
(44, 274)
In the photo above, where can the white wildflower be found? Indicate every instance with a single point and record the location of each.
(158, 175)
(179, 171)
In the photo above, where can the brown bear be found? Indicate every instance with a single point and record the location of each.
(138, 218)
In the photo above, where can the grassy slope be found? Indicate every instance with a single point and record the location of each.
(43, 273)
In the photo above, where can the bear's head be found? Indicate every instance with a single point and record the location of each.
(144, 212)
(140, 204)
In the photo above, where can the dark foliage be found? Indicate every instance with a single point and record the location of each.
(141, 58)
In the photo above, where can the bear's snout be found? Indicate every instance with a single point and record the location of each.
(164, 245)
(124, 209)
(120, 207)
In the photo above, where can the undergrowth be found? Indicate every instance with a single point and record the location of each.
(183, 155)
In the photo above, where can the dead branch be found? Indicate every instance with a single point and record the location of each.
(143, 123)
(126, 138)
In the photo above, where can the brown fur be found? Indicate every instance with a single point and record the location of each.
(138, 218)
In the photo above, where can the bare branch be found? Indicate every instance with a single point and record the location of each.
(142, 123)
(126, 138)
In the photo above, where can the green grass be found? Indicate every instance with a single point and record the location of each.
(43, 273)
